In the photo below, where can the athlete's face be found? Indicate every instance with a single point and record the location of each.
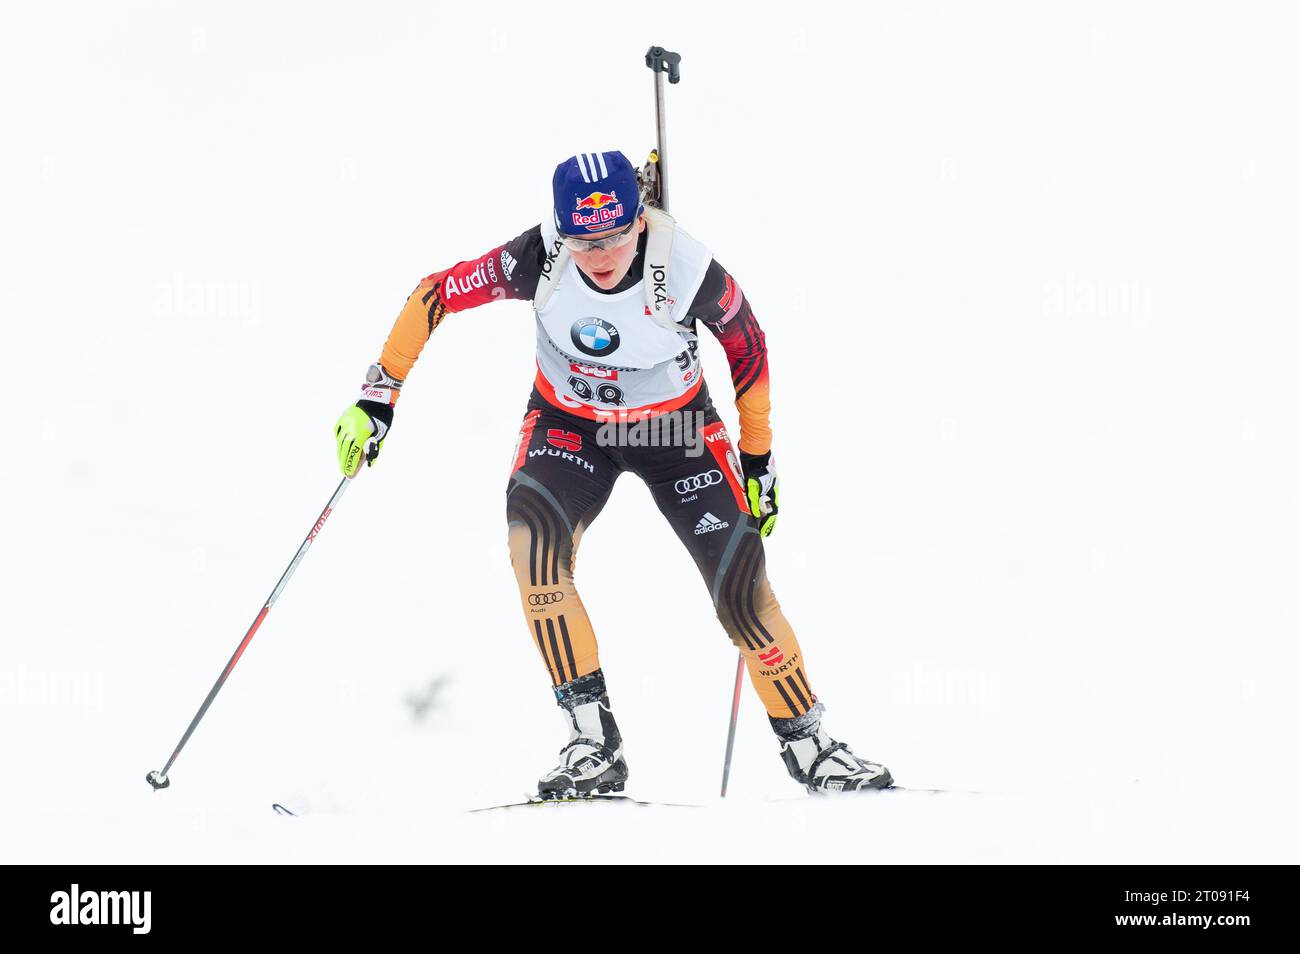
(606, 267)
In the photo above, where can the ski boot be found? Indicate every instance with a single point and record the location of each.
(821, 764)
(592, 761)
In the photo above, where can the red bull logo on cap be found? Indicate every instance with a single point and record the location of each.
(605, 208)
(597, 200)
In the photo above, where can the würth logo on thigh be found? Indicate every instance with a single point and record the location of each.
(125, 908)
(566, 440)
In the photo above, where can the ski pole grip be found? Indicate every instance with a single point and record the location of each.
(661, 61)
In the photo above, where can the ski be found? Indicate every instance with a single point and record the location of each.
(882, 792)
(535, 802)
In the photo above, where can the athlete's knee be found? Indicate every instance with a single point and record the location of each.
(541, 544)
(744, 602)
(733, 602)
(727, 606)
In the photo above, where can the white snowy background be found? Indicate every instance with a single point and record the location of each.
(1028, 277)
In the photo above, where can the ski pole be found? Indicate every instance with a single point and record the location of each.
(662, 61)
(731, 730)
(159, 780)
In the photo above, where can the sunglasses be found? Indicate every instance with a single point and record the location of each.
(617, 240)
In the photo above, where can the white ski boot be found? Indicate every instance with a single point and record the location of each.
(592, 761)
(821, 764)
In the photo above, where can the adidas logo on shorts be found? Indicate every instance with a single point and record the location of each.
(708, 523)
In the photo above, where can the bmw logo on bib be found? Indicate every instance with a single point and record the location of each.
(594, 336)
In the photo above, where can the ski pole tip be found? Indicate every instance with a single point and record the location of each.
(157, 780)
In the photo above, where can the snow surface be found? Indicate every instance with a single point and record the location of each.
(1027, 274)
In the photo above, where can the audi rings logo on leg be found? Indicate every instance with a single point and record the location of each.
(690, 484)
(544, 599)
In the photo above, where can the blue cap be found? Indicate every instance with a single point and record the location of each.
(595, 192)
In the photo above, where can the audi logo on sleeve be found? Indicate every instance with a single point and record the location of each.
(690, 484)
(544, 599)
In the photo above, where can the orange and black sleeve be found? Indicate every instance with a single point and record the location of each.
(723, 308)
(507, 271)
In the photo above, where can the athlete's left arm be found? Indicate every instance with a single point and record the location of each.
(722, 307)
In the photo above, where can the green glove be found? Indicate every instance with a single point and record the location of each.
(761, 489)
(360, 431)
(353, 434)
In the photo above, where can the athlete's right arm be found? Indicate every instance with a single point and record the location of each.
(507, 271)
(511, 270)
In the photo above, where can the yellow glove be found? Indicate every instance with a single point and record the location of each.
(360, 431)
(761, 489)
(355, 435)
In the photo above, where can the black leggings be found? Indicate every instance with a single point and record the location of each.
(564, 469)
